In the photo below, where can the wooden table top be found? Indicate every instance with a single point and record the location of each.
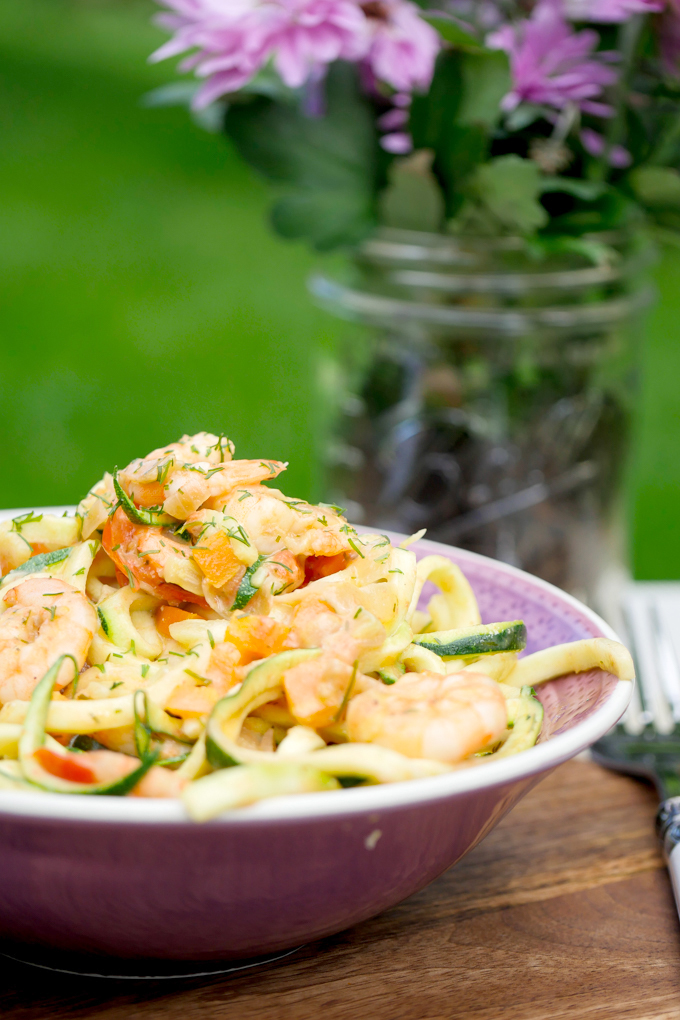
(565, 911)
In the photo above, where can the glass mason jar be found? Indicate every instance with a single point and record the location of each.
(491, 400)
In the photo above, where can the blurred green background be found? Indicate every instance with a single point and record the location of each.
(142, 296)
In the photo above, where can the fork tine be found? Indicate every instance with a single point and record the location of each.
(667, 605)
(633, 721)
(640, 623)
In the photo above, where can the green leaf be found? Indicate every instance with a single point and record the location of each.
(595, 251)
(656, 186)
(453, 31)
(327, 165)
(458, 148)
(587, 191)
(413, 200)
(507, 188)
(486, 79)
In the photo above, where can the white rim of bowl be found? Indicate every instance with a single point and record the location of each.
(358, 800)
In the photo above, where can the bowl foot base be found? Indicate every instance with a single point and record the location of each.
(117, 969)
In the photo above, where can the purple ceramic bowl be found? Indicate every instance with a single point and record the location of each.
(134, 878)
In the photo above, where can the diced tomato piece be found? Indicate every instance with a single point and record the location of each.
(167, 615)
(217, 559)
(322, 566)
(256, 637)
(64, 768)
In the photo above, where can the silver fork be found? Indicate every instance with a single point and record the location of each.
(647, 741)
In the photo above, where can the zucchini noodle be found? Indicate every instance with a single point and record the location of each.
(193, 632)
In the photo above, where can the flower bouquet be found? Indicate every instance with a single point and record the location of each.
(495, 168)
(548, 121)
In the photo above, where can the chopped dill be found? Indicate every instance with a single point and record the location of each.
(239, 535)
(202, 681)
(244, 496)
(345, 698)
(356, 548)
(118, 683)
(289, 569)
(395, 571)
(322, 520)
(29, 518)
(294, 504)
(145, 669)
(211, 639)
(163, 469)
(333, 507)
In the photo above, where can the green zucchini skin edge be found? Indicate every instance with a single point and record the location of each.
(136, 514)
(483, 640)
(258, 681)
(246, 590)
(104, 622)
(37, 563)
(33, 737)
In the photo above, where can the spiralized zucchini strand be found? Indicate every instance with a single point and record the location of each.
(573, 657)
(456, 606)
(245, 784)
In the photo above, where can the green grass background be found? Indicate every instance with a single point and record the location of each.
(142, 295)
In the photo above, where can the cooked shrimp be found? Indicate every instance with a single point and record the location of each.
(189, 488)
(143, 473)
(43, 618)
(197, 471)
(273, 521)
(157, 562)
(427, 715)
(316, 689)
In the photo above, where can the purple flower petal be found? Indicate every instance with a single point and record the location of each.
(398, 143)
(551, 64)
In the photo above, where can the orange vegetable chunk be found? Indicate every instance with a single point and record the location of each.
(256, 637)
(217, 559)
(167, 615)
(190, 701)
(147, 493)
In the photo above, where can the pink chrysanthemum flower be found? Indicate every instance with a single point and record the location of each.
(552, 65)
(610, 11)
(403, 47)
(235, 38)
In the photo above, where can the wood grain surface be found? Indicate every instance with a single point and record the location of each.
(565, 911)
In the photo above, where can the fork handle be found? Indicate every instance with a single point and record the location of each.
(668, 828)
